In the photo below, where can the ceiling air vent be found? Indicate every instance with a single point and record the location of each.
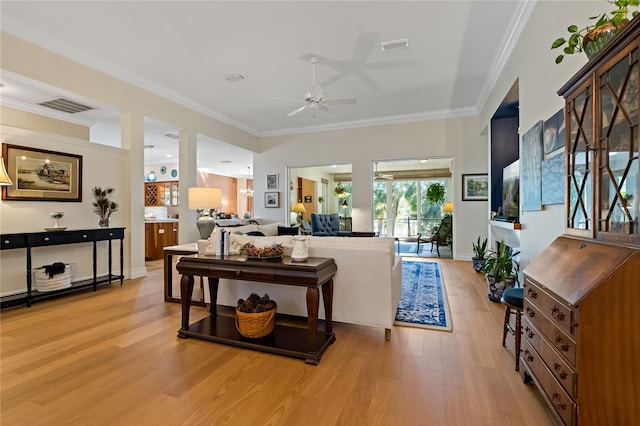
(65, 105)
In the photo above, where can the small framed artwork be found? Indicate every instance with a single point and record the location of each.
(42, 175)
(272, 199)
(475, 187)
(308, 199)
(272, 181)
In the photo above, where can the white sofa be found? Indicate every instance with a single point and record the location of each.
(367, 284)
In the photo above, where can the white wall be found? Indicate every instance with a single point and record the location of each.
(459, 138)
(533, 62)
(103, 166)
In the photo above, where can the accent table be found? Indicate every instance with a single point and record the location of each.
(315, 273)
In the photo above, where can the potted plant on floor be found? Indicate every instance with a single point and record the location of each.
(501, 271)
(479, 254)
(592, 38)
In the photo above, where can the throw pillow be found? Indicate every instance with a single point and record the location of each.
(285, 230)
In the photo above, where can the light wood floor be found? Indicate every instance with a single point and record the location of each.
(113, 358)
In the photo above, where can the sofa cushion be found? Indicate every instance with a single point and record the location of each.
(269, 229)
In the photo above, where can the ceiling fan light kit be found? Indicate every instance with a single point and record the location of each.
(314, 99)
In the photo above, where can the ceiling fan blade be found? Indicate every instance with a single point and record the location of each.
(340, 101)
(299, 110)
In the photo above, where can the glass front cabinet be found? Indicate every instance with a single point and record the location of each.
(602, 116)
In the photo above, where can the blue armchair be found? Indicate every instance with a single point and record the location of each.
(325, 225)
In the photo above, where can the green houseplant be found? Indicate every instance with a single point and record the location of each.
(479, 254)
(340, 191)
(435, 193)
(592, 38)
(501, 271)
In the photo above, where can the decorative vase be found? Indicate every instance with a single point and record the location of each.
(478, 264)
(104, 222)
(497, 288)
(598, 38)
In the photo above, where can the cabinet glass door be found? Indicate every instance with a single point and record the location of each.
(619, 181)
(580, 157)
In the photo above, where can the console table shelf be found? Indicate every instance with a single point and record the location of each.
(29, 240)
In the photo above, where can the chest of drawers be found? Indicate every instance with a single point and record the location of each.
(581, 330)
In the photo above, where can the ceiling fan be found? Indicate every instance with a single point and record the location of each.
(314, 100)
(381, 176)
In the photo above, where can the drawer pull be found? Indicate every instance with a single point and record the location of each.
(555, 398)
(564, 347)
(527, 355)
(46, 238)
(6, 241)
(238, 273)
(84, 235)
(556, 314)
(529, 332)
(530, 312)
(558, 369)
(532, 293)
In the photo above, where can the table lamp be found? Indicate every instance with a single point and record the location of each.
(5, 180)
(448, 207)
(205, 200)
(299, 209)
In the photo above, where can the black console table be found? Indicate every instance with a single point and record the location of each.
(30, 240)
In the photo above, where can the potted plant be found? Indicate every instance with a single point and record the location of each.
(340, 191)
(435, 193)
(479, 254)
(501, 271)
(592, 38)
(103, 206)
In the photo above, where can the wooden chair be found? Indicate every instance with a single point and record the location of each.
(443, 235)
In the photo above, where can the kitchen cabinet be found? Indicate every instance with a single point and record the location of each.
(159, 194)
(157, 236)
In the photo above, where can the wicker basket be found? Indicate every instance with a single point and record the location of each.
(255, 325)
(58, 282)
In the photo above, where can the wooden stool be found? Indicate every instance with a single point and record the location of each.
(513, 298)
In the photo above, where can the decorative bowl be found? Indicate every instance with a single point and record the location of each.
(265, 253)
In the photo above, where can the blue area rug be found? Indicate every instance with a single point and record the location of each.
(423, 302)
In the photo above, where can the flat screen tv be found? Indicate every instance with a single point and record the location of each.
(511, 191)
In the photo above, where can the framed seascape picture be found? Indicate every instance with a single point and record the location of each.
(41, 175)
(475, 187)
(554, 132)
(531, 169)
(272, 181)
(272, 199)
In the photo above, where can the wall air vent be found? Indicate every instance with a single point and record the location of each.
(394, 44)
(65, 105)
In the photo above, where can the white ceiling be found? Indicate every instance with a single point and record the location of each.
(183, 49)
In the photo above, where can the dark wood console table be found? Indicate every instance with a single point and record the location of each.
(30, 240)
(314, 274)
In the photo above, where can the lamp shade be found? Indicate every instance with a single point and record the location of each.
(4, 176)
(299, 208)
(448, 207)
(205, 198)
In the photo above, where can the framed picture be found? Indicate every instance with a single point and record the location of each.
(272, 199)
(272, 181)
(531, 169)
(554, 132)
(475, 187)
(41, 175)
(308, 199)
